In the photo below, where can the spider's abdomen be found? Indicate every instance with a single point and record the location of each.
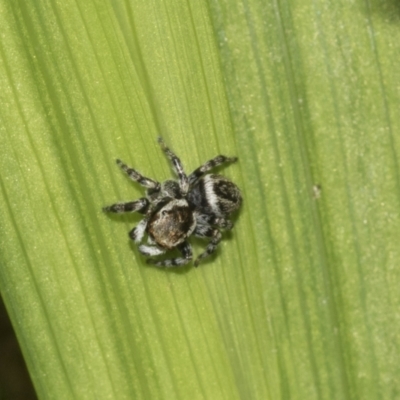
(172, 224)
(217, 195)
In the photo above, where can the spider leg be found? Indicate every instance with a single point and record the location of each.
(223, 223)
(137, 177)
(131, 206)
(220, 222)
(209, 165)
(149, 250)
(185, 248)
(137, 233)
(151, 241)
(203, 220)
(178, 167)
(214, 234)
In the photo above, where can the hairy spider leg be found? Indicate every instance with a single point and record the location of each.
(185, 248)
(178, 167)
(149, 250)
(214, 234)
(137, 233)
(223, 223)
(209, 165)
(204, 220)
(130, 206)
(137, 177)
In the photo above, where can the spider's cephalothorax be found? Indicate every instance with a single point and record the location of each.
(197, 204)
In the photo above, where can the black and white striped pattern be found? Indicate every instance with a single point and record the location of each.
(130, 206)
(137, 177)
(216, 236)
(177, 166)
(208, 166)
(137, 233)
(186, 250)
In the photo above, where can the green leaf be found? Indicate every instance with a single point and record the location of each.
(301, 300)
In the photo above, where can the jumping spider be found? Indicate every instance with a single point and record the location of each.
(197, 204)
